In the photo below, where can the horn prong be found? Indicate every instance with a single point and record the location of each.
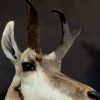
(67, 37)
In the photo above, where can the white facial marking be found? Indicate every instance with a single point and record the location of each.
(36, 87)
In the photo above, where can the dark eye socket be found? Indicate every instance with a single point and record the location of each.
(27, 66)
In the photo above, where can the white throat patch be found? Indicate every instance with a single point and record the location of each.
(35, 87)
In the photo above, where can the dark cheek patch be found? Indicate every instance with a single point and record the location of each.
(28, 66)
(17, 90)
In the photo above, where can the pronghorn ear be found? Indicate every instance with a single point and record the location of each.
(8, 43)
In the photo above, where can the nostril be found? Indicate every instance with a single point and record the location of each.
(93, 95)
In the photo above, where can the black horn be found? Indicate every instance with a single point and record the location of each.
(33, 27)
(67, 38)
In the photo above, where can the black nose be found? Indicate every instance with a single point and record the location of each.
(93, 95)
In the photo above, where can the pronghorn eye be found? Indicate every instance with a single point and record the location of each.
(27, 66)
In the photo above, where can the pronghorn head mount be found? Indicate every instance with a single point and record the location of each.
(38, 76)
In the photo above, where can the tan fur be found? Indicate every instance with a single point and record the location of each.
(53, 77)
(45, 80)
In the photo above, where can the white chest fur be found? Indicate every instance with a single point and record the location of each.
(35, 88)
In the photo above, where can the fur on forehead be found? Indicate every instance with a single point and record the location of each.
(29, 54)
